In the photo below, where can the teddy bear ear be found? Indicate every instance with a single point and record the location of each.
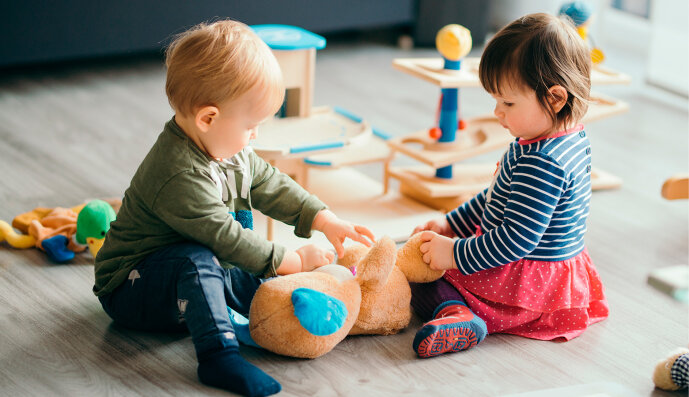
(410, 261)
(353, 255)
(373, 270)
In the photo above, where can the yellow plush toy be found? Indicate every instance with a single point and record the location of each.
(307, 314)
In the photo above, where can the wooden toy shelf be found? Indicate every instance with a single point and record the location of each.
(481, 135)
(431, 70)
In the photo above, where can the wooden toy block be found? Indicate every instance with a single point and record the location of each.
(601, 180)
(672, 280)
(676, 187)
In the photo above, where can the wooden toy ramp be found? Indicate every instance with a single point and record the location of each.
(373, 150)
(481, 135)
(295, 137)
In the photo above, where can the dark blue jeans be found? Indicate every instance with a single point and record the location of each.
(182, 287)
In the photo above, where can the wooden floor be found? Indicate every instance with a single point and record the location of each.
(73, 133)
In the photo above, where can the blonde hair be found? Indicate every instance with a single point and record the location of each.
(539, 51)
(213, 63)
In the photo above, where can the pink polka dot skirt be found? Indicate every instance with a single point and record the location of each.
(536, 299)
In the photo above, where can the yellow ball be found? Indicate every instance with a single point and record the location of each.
(453, 41)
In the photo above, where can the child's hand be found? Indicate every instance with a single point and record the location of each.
(437, 251)
(337, 230)
(313, 257)
(439, 225)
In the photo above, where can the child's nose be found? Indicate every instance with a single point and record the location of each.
(497, 112)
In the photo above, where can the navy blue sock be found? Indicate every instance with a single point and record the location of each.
(226, 369)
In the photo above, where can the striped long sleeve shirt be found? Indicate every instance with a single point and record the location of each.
(536, 207)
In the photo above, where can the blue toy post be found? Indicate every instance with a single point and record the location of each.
(448, 117)
(453, 42)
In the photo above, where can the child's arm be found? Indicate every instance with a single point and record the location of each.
(537, 184)
(189, 204)
(337, 230)
(279, 197)
(305, 259)
(464, 219)
(460, 222)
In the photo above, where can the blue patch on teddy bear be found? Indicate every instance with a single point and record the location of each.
(318, 313)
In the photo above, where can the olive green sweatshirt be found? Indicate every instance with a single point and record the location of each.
(179, 194)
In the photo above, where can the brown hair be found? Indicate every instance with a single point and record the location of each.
(539, 51)
(212, 63)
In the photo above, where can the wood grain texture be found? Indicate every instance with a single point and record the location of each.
(68, 134)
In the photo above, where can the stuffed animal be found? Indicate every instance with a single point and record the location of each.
(62, 232)
(672, 373)
(307, 314)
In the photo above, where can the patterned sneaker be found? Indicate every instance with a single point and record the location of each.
(454, 328)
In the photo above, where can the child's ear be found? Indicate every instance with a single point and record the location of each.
(205, 117)
(557, 97)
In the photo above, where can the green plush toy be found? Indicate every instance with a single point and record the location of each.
(93, 223)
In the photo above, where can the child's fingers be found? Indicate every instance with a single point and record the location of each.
(337, 244)
(359, 238)
(427, 258)
(365, 231)
(330, 256)
(424, 247)
(427, 235)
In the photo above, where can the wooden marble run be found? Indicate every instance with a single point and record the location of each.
(442, 183)
(304, 137)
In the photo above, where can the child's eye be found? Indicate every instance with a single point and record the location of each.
(508, 104)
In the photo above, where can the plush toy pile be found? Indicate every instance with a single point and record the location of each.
(62, 232)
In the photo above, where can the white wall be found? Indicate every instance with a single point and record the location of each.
(668, 60)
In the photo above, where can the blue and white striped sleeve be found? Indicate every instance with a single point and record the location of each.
(537, 184)
(463, 219)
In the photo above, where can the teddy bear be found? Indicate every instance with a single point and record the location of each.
(672, 373)
(367, 292)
